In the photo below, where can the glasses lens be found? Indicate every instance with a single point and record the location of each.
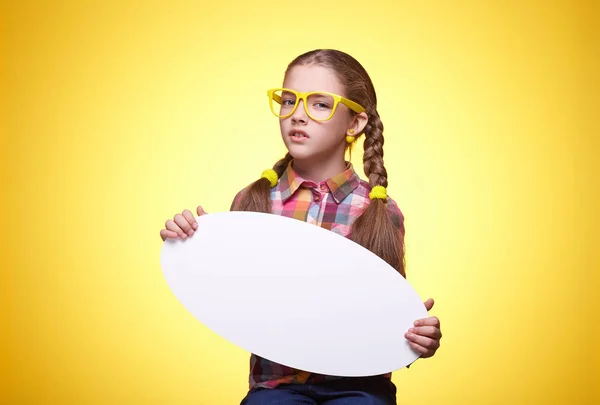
(320, 106)
(283, 102)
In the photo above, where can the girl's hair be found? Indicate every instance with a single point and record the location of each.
(374, 229)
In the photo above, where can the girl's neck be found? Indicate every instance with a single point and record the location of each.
(318, 171)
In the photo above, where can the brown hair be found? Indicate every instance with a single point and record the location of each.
(374, 229)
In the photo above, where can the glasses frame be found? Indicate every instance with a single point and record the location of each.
(337, 99)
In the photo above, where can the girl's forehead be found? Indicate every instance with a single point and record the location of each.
(313, 78)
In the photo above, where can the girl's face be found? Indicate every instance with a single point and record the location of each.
(314, 141)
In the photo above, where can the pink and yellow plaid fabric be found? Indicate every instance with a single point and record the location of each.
(333, 204)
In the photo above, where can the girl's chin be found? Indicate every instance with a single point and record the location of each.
(300, 155)
(298, 151)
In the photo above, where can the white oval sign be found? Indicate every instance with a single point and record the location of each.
(294, 293)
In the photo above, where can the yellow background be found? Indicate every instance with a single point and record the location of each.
(117, 116)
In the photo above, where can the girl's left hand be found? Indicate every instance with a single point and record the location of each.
(425, 336)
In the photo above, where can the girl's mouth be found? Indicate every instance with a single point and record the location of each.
(298, 136)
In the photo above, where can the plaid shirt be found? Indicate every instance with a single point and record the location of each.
(333, 204)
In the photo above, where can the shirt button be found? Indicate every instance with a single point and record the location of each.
(323, 188)
(317, 198)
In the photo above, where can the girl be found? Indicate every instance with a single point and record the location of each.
(326, 102)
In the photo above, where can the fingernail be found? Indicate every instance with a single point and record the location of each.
(417, 323)
(411, 330)
(184, 236)
(195, 225)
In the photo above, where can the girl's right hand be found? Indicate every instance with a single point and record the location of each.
(181, 226)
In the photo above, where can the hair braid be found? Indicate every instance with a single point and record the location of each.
(257, 197)
(373, 152)
(282, 164)
(374, 229)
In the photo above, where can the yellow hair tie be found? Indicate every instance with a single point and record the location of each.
(378, 192)
(270, 175)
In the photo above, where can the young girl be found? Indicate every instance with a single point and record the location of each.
(326, 102)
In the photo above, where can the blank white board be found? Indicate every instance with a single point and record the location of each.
(294, 293)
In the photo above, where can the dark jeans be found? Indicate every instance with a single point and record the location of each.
(347, 391)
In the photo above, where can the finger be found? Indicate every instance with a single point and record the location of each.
(429, 304)
(419, 349)
(430, 321)
(200, 211)
(423, 341)
(429, 331)
(172, 226)
(164, 234)
(183, 224)
(187, 214)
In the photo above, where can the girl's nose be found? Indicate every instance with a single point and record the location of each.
(299, 115)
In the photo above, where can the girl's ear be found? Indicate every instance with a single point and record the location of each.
(358, 123)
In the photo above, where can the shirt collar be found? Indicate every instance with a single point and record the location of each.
(341, 185)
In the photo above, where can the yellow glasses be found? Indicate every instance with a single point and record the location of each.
(319, 105)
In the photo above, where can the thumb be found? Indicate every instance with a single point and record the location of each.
(429, 304)
(200, 210)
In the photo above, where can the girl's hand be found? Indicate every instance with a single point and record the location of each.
(425, 336)
(181, 226)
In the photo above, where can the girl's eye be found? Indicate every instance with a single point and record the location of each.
(288, 101)
(322, 105)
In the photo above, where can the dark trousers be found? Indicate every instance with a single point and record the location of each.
(346, 391)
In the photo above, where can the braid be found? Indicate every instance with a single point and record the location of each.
(257, 197)
(282, 164)
(374, 229)
(373, 152)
